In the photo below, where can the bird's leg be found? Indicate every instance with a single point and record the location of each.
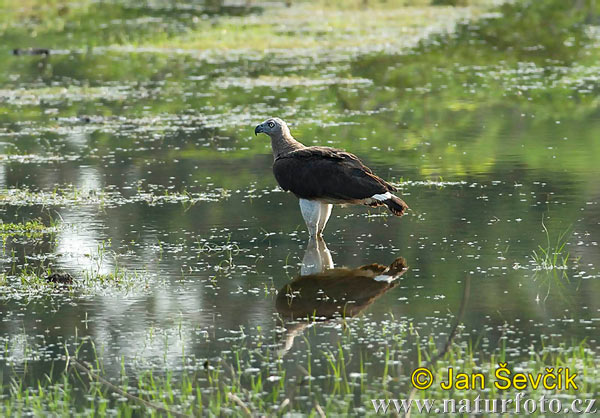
(325, 214)
(317, 257)
(324, 254)
(311, 212)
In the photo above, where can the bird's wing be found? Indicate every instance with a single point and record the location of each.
(327, 173)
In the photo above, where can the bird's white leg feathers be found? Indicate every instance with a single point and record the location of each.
(325, 214)
(316, 215)
(311, 211)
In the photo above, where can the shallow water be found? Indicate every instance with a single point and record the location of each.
(146, 165)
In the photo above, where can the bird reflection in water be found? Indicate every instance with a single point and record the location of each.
(322, 292)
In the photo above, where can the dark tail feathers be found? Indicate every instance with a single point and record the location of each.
(397, 267)
(396, 205)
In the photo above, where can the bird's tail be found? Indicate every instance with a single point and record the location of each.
(397, 267)
(396, 205)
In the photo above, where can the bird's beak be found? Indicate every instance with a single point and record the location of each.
(258, 129)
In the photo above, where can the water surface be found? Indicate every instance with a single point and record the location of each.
(144, 163)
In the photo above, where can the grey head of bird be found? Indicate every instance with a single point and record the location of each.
(274, 127)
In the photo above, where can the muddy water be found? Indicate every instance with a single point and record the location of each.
(164, 209)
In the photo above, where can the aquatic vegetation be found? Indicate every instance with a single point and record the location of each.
(29, 229)
(273, 26)
(553, 255)
(27, 286)
(109, 197)
(231, 383)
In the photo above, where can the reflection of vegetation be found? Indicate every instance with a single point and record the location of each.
(427, 107)
(455, 88)
(555, 281)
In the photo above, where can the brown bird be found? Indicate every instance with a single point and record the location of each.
(341, 290)
(323, 292)
(322, 176)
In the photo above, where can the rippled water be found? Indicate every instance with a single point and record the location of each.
(163, 207)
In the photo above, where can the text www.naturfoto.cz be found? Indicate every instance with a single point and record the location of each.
(516, 405)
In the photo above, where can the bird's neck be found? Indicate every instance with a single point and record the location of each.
(284, 144)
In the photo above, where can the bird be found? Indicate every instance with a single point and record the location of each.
(317, 257)
(340, 290)
(323, 292)
(323, 176)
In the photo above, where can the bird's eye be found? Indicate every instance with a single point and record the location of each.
(271, 125)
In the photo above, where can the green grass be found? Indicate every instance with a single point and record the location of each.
(337, 26)
(104, 273)
(30, 229)
(69, 195)
(553, 255)
(64, 24)
(225, 386)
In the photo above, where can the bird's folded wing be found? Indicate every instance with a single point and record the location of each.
(327, 173)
